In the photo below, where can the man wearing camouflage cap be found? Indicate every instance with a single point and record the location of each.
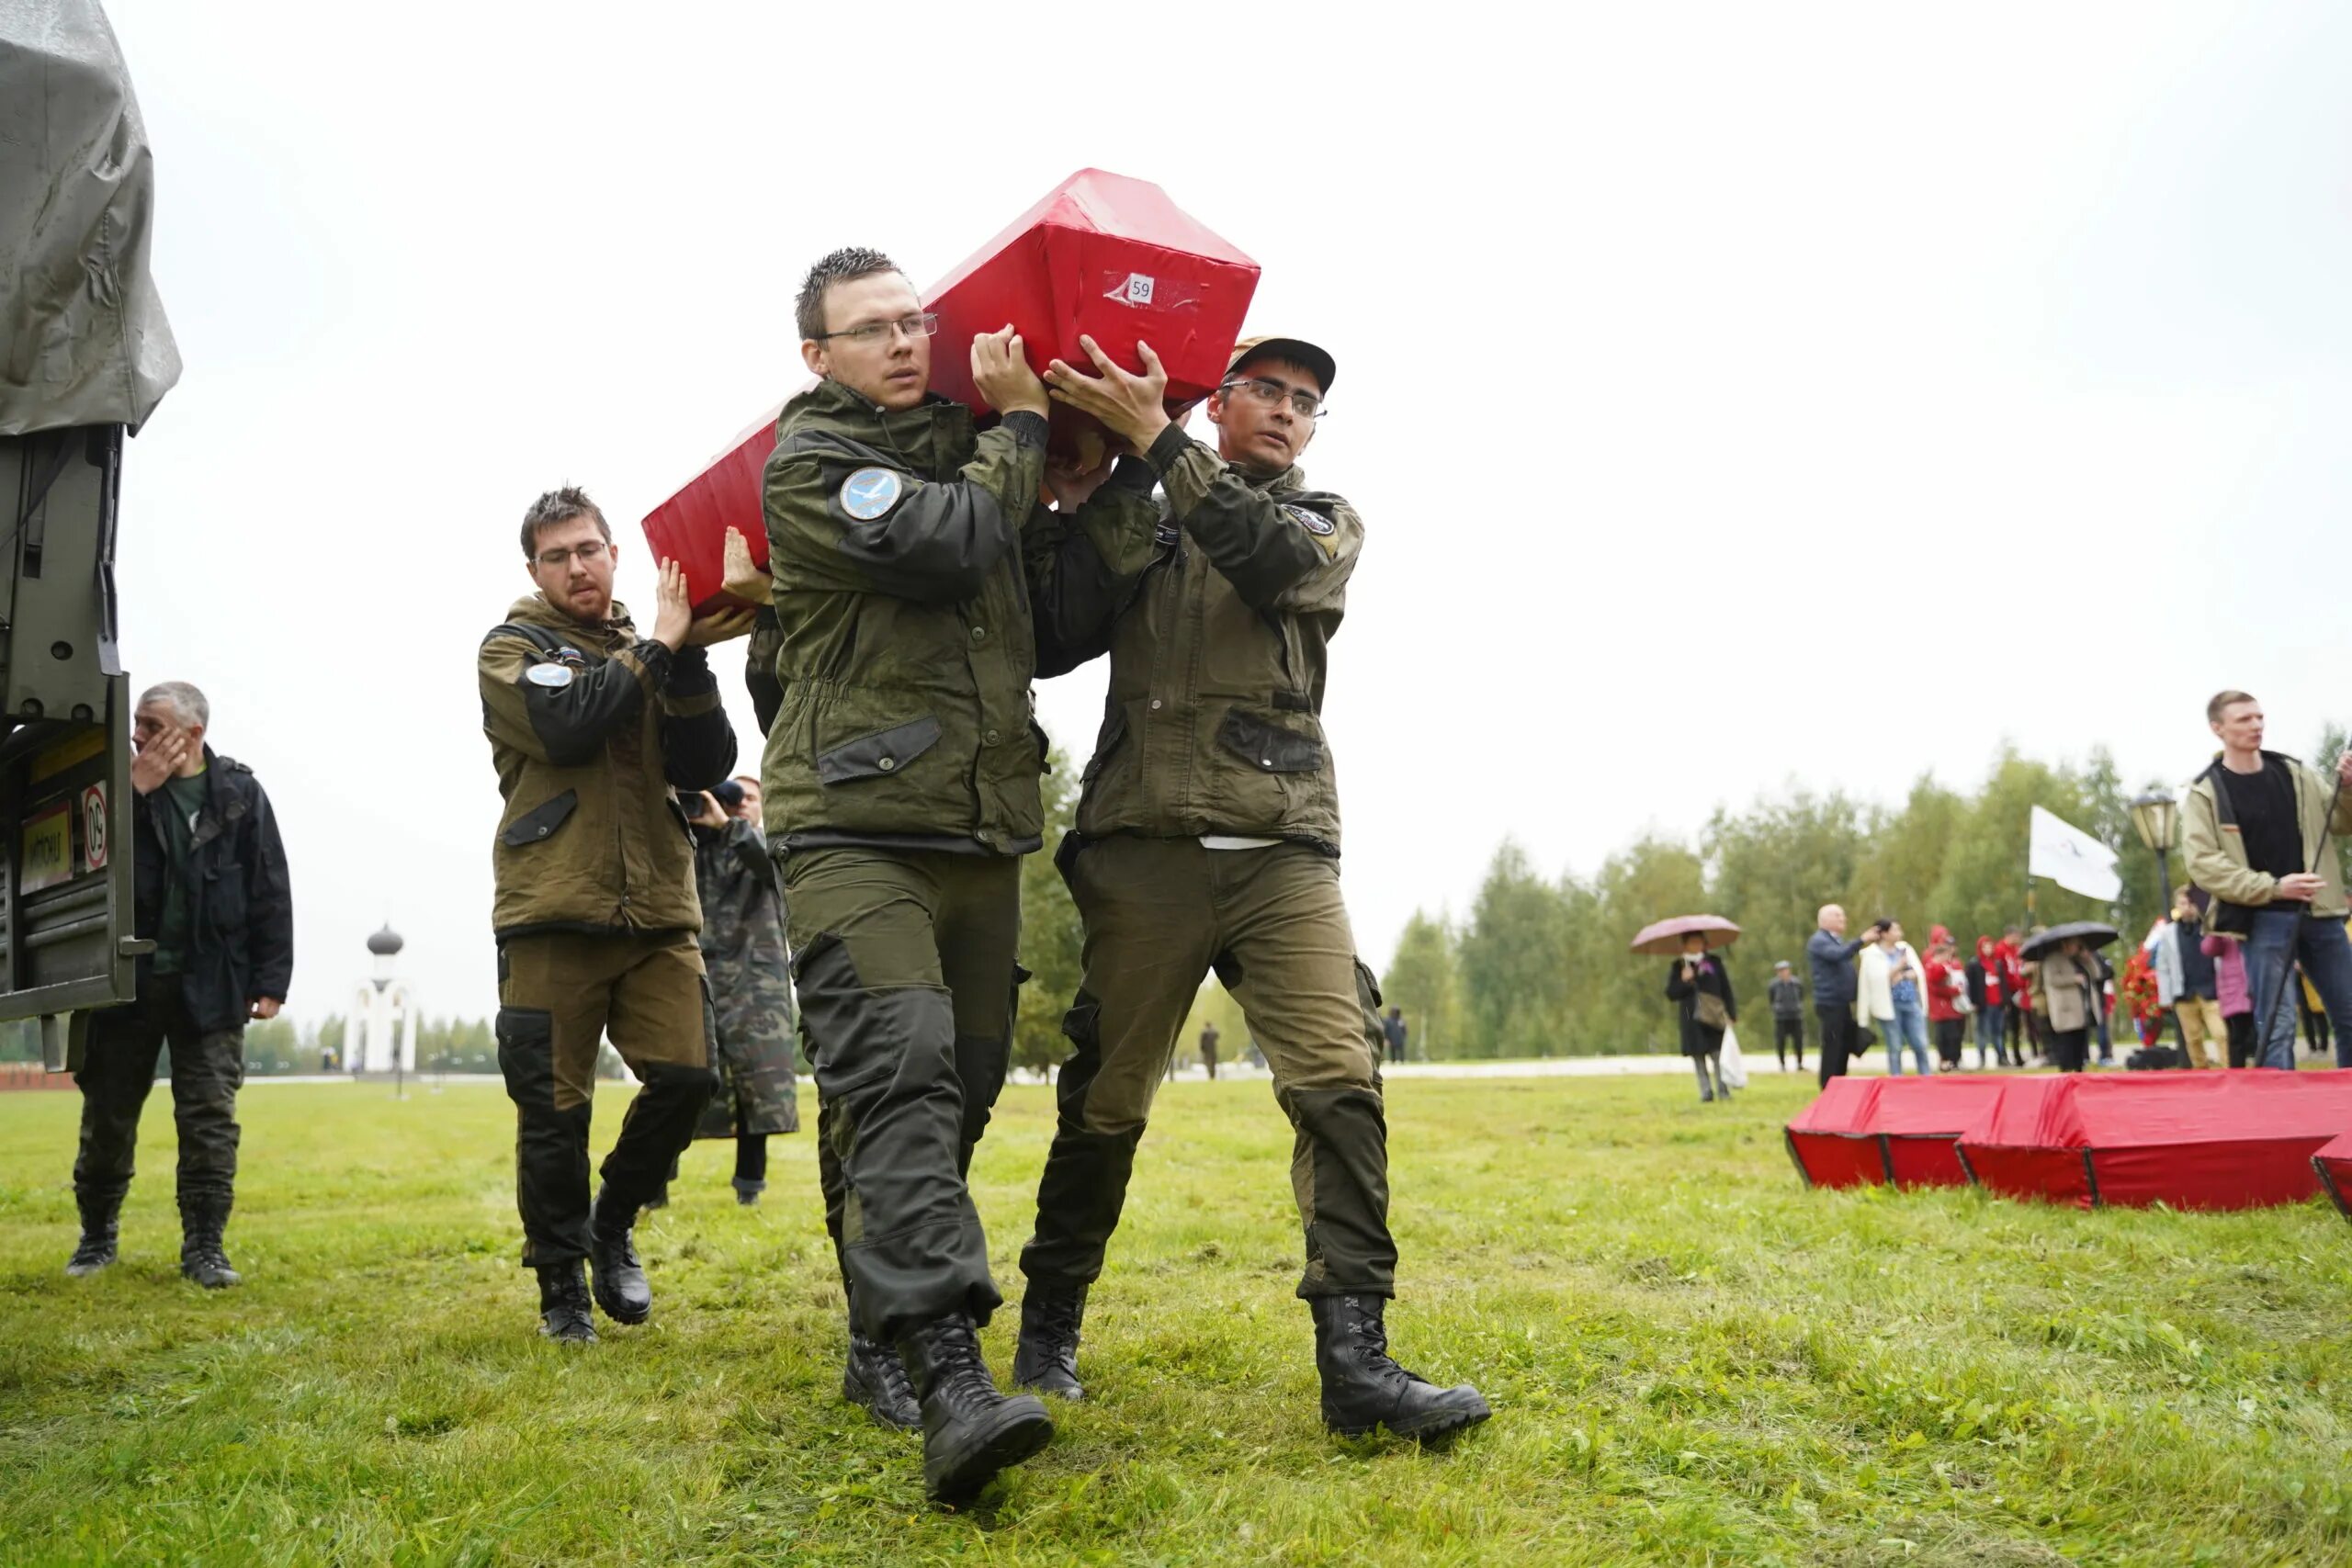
(1208, 837)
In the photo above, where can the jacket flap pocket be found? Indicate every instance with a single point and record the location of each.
(878, 755)
(540, 821)
(1267, 747)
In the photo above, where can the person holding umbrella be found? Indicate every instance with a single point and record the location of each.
(1701, 988)
(2068, 980)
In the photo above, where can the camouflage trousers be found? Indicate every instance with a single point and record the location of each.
(118, 1070)
(559, 996)
(903, 963)
(1159, 914)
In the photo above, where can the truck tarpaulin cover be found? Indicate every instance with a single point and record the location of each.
(2333, 1163)
(2240, 1139)
(1898, 1131)
(1104, 255)
(83, 338)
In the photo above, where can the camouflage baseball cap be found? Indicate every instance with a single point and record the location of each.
(1298, 351)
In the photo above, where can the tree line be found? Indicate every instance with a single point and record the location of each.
(1539, 965)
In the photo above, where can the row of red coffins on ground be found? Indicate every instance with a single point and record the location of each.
(1100, 255)
(2239, 1139)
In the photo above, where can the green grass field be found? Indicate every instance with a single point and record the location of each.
(1691, 1359)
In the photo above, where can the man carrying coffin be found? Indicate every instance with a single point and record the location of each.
(902, 790)
(1208, 837)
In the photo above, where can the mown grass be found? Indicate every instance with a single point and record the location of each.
(1691, 1359)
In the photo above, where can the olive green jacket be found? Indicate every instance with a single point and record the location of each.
(2216, 849)
(589, 728)
(1219, 649)
(902, 550)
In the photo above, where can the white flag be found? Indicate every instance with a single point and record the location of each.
(2072, 858)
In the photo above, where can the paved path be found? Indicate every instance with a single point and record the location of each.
(1191, 1071)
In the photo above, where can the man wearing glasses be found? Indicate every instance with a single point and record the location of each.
(592, 726)
(1208, 837)
(902, 790)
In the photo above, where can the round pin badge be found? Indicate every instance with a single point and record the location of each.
(870, 493)
(555, 677)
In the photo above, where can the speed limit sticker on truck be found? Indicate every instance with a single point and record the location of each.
(94, 827)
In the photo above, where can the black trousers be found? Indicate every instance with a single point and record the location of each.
(1951, 1034)
(2069, 1049)
(119, 1068)
(1788, 1032)
(1837, 1039)
(2241, 1027)
(904, 963)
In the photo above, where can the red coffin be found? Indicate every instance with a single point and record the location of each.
(2240, 1139)
(1101, 255)
(2333, 1163)
(1901, 1131)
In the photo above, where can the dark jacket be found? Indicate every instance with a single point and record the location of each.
(1713, 979)
(1219, 650)
(590, 727)
(241, 908)
(901, 648)
(1832, 962)
(1788, 998)
(1974, 971)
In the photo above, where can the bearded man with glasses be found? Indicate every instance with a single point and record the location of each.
(1208, 839)
(905, 547)
(592, 726)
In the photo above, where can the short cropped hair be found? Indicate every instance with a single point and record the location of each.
(559, 506)
(2221, 700)
(844, 266)
(185, 701)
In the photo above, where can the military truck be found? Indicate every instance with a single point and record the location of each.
(85, 355)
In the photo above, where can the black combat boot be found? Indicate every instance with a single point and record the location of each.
(202, 1222)
(970, 1430)
(1046, 1358)
(875, 1380)
(99, 1220)
(618, 1277)
(563, 1305)
(1363, 1388)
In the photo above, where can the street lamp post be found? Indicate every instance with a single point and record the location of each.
(2157, 816)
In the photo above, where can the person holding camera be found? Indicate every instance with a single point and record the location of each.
(750, 979)
(1835, 986)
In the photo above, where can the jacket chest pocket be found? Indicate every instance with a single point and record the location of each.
(1241, 653)
(539, 823)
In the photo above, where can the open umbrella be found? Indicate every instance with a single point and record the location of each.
(2091, 931)
(1664, 939)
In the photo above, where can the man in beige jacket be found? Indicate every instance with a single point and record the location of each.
(2263, 832)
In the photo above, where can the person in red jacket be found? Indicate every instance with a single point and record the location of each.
(2017, 1007)
(1947, 987)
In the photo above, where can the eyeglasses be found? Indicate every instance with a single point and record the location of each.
(923, 325)
(590, 553)
(1268, 393)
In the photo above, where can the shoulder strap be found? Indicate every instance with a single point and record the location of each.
(540, 638)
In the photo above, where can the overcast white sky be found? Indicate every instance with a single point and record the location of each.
(1734, 395)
